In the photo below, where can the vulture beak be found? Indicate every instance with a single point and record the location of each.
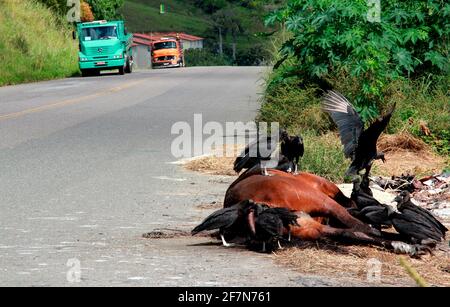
(251, 221)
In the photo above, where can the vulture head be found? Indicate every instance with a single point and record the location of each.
(403, 198)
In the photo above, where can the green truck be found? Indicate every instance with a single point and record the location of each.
(104, 45)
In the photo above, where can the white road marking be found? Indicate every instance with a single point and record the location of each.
(170, 178)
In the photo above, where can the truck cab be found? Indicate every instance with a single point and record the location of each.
(167, 52)
(104, 46)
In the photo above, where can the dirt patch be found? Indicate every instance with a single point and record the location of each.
(410, 162)
(165, 234)
(337, 260)
(406, 154)
(211, 206)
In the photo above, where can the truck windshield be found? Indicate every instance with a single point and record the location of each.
(99, 33)
(165, 45)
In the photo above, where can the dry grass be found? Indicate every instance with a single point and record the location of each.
(212, 166)
(341, 261)
(219, 163)
(400, 142)
(406, 154)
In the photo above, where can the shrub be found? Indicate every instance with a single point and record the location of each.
(204, 57)
(324, 156)
(334, 38)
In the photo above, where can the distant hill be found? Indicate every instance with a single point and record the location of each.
(189, 16)
(182, 16)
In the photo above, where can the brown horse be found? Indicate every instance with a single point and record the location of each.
(317, 198)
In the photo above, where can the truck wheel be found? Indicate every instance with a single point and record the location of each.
(122, 70)
(129, 67)
(85, 73)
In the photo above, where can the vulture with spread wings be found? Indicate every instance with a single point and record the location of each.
(360, 145)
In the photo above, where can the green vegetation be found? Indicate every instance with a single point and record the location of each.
(102, 9)
(324, 156)
(238, 22)
(338, 39)
(144, 16)
(198, 57)
(324, 44)
(33, 44)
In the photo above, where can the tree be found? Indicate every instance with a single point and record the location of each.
(86, 12)
(339, 38)
(220, 20)
(106, 9)
(101, 9)
(227, 22)
(211, 6)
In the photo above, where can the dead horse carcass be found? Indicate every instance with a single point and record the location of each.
(319, 199)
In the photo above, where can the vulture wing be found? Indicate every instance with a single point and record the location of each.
(221, 218)
(261, 149)
(424, 215)
(346, 118)
(371, 134)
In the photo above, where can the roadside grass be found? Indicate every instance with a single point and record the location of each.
(34, 44)
(323, 156)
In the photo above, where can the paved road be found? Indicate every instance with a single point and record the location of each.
(85, 171)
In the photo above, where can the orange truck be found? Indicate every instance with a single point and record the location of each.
(167, 52)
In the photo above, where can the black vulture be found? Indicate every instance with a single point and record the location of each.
(376, 215)
(268, 224)
(230, 221)
(292, 148)
(360, 145)
(369, 210)
(267, 153)
(415, 223)
(362, 197)
(259, 153)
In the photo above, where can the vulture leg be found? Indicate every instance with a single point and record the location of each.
(264, 247)
(225, 242)
(356, 180)
(279, 245)
(296, 168)
(380, 156)
(367, 173)
(365, 183)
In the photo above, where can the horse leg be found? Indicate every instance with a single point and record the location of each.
(312, 230)
(332, 209)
